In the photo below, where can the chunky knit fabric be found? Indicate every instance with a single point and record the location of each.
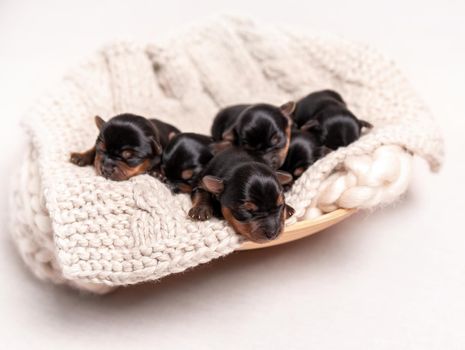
(76, 228)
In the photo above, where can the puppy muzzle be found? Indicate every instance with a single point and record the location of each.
(267, 229)
(272, 159)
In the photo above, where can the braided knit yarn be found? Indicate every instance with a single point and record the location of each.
(73, 227)
(365, 181)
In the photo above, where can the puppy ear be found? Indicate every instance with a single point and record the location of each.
(156, 146)
(289, 211)
(288, 108)
(365, 124)
(229, 135)
(99, 122)
(298, 171)
(171, 135)
(217, 147)
(324, 150)
(212, 184)
(284, 178)
(310, 125)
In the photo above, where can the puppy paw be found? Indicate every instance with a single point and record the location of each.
(287, 188)
(80, 159)
(201, 213)
(159, 176)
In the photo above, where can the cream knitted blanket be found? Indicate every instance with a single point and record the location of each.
(76, 228)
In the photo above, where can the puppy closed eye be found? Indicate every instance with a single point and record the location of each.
(245, 144)
(275, 140)
(245, 211)
(250, 206)
(127, 154)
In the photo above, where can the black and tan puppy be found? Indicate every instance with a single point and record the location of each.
(184, 159)
(261, 129)
(248, 192)
(327, 112)
(304, 150)
(127, 145)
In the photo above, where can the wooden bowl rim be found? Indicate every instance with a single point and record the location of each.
(302, 229)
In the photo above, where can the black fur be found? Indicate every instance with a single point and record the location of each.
(186, 154)
(127, 145)
(304, 150)
(326, 112)
(261, 129)
(249, 189)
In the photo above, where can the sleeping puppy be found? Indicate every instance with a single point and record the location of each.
(313, 103)
(247, 192)
(304, 150)
(184, 159)
(327, 112)
(127, 145)
(261, 129)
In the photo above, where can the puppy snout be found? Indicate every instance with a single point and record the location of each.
(271, 234)
(272, 228)
(275, 162)
(272, 159)
(107, 171)
(108, 168)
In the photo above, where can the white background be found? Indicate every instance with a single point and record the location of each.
(392, 279)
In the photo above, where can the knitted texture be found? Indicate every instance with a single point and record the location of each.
(364, 181)
(74, 227)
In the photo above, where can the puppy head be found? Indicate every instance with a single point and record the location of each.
(314, 103)
(128, 145)
(304, 150)
(264, 130)
(183, 159)
(252, 201)
(341, 129)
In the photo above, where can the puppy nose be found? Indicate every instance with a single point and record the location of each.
(107, 171)
(272, 160)
(271, 234)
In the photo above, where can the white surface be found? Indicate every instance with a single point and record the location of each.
(394, 279)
